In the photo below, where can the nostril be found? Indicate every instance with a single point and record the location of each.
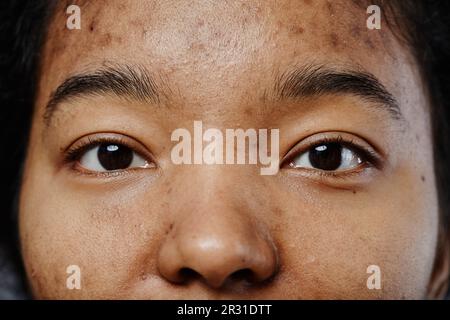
(188, 274)
(242, 275)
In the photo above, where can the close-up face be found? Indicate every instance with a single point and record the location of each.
(341, 188)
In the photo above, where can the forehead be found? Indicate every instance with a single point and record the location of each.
(230, 30)
(207, 45)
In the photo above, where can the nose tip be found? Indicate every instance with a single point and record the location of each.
(218, 260)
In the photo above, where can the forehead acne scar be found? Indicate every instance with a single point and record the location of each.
(92, 25)
(330, 8)
(334, 40)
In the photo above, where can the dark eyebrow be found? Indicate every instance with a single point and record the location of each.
(319, 80)
(121, 80)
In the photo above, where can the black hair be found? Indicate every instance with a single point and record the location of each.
(22, 29)
(423, 24)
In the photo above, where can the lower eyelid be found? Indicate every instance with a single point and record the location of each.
(349, 178)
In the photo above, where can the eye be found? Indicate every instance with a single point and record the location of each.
(329, 156)
(110, 157)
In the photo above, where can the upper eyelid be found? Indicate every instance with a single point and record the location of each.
(72, 152)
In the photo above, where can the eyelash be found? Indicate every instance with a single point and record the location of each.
(370, 158)
(74, 154)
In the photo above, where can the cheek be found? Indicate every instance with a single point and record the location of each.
(107, 238)
(334, 236)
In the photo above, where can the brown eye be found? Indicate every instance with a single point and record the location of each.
(331, 156)
(326, 157)
(110, 157)
(114, 156)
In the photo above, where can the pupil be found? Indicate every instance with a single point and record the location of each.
(327, 157)
(114, 157)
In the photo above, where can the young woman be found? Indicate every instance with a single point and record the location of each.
(357, 208)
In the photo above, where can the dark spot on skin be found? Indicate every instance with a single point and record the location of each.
(170, 229)
(334, 40)
(58, 48)
(169, 191)
(330, 8)
(423, 178)
(369, 43)
(354, 191)
(297, 30)
(248, 112)
(92, 26)
(355, 32)
(106, 40)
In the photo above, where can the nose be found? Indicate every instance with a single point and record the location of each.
(219, 246)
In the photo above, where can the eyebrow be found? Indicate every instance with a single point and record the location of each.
(319, 80)
(134, 82)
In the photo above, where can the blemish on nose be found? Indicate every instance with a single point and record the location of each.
(144, 276)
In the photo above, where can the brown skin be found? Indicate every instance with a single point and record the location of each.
(302, 235)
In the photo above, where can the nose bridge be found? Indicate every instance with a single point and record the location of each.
(216, 237)
(216, 186)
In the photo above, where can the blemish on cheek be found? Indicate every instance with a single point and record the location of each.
(296, 30)
(423, 178)
(170, 228)
(277, 211)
